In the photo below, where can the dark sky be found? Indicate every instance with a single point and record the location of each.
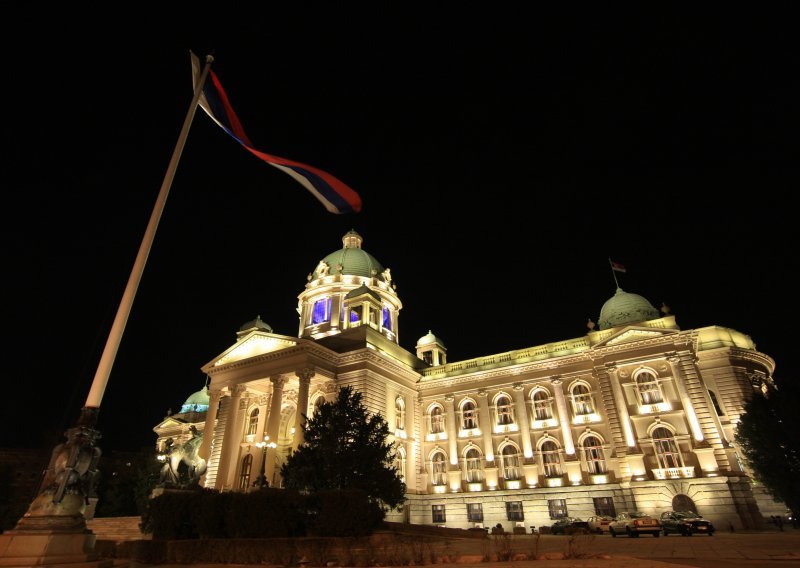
(499, 172)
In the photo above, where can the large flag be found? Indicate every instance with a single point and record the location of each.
(334, 195)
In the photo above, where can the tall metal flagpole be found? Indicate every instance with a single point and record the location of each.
(115, 337)
(53, 530)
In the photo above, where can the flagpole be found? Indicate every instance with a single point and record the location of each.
(613, 272)
(115, 337)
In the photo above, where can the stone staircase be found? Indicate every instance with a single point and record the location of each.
(117, 528)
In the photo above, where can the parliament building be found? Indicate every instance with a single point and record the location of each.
(637, 414)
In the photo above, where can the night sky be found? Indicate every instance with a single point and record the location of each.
(498, 177)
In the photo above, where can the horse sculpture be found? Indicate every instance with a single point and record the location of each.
(183, 465)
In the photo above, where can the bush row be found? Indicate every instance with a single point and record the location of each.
(266, 513)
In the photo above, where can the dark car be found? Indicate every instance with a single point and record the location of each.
(685, 523)
(569, 525)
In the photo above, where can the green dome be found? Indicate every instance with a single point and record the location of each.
(197, 402)
(351, 259)
(625, 308)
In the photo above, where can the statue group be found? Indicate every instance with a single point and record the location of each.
(183, 466)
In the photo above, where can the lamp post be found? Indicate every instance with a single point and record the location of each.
(261, 480)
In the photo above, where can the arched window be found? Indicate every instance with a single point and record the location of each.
(551, 461)
(437, 420)
(399, 414)
(683, 502)
(469, 418)
(666, 448)
(582, 400)
(715, 402)
(504, 415)
(438, 469)
(244, 476)
(400, 463)
(319, 401)
(472, 466)
(595, 457)
(510, 457)
(542, 405)
(649, 388)
(252, 425)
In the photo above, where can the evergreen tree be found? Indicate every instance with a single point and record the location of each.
(771, 447)
(345, 447)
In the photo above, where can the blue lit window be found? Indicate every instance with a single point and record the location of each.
(322, 311)
(387, 319)
(354, 316)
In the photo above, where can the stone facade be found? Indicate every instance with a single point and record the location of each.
(637, 414)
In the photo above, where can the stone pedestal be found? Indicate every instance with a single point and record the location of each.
(30, 548)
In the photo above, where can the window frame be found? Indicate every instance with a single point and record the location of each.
(667, 449)
(475, 512)
(648, 391)
(604, 506)
(594, 455)
(557, 508)
(438, 513)
(515, 511)
(245, 471)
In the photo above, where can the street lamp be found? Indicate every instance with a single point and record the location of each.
(261, 480)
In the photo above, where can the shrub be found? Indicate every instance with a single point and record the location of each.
(343, 512)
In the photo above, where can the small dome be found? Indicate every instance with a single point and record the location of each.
(350, 259)
(256, 324)
(197, 402)
(429, 339)
(626, 308)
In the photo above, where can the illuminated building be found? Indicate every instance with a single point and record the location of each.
(635, 415)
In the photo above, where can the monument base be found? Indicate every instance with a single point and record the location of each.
(29, 548)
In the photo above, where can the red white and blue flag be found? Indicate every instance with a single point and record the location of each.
(334, 195)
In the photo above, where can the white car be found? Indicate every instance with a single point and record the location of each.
(634, 523)
(599, 523)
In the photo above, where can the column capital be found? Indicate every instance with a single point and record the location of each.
(518, 386)
(556, 380)
(214, 393)
(278, 381)
(449, 397)
(239, 390)
(673, 358)
(305, 374)
(483, 392)
(611, 367)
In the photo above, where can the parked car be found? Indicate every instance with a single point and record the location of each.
(685, 523)
(569, 525)
(599, 523)
(633, 524)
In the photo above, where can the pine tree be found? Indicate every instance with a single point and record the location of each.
(345, 447)
(770, 446)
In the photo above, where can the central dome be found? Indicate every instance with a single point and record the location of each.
(625, 308)
(350, 259)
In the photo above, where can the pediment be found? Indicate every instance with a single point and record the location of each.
(168, 423)
(634, 333)
(253, 344)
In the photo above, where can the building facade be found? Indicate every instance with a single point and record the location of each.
(635, 415)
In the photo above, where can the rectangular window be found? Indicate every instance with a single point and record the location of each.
(514, 511)
(475, 512)
(387, 319)
(322, 311)
(557, 508)
(604, 506)
(437, 512)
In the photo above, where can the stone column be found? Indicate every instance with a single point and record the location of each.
(304, 376)
(486, 425)
(688, 407)
(211, 417)
(522, 419)
(452, 428)
(563, 415)
(274, 423)
(622, 406)
(233, 437)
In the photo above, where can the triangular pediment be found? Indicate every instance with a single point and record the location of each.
(253, 344)
(168, 423)
(633, 333)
